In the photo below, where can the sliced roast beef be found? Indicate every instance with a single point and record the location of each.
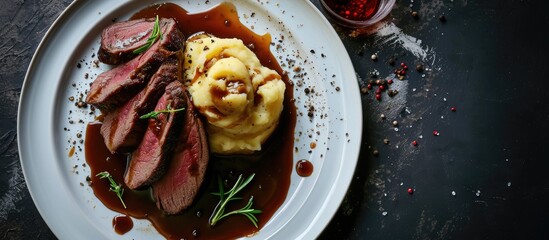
(148, 161)
(120, 40)
(122, 129)
(176, 190)
(113, 88)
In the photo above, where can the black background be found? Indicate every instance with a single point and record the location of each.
(490, 64)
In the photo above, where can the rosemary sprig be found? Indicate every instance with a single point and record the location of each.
(219, 211)
(154, 114)
(156, 33)
(116, 188)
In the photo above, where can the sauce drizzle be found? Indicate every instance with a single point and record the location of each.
(122, 224)
(304, 168)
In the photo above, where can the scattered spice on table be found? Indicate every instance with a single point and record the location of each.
(442, 18)
(419, 67)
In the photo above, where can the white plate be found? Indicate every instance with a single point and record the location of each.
(72, 211)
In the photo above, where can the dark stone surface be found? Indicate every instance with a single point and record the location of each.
(488, 60)
(24, 25)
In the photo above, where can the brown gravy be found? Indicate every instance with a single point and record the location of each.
(122, 224)
(304, 168)
(273, 165)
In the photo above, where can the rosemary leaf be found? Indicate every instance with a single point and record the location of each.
(247, 211)
(155, 35)
(115, 187)
(154, 114)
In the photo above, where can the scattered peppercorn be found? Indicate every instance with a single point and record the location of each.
(453, 109)
(374, 57)
(390, 81)
(410, 191)
(392, 93)
(375, 152)
(436, 133)
(414, 143)
(386, 141)
(81, 104)
(442, 18)
(382, 116)
(401, 72)
(415, 15)
(419, 67)
(395, 123)
(378, 97)
(364, 90)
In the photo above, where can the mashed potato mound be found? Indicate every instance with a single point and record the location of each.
(241, 99)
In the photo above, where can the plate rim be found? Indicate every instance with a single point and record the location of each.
(335, 195)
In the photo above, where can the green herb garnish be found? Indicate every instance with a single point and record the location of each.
(116, 188)
(219, 211)
(154, 114)
(155, 35)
